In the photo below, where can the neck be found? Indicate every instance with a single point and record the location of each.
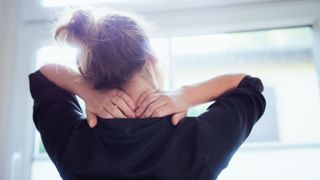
(136, 88)
(141, 83)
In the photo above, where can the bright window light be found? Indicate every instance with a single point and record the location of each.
(284, 61)
(63, 55)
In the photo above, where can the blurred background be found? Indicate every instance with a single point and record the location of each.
(275, 40)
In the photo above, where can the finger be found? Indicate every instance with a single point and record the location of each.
(150, 99)
(126, 99)
(124, 108)
(152, 107)
(92, 119)
(163, 111)
(144, 95)
(176, 118)
(115, 112)
(104, 113)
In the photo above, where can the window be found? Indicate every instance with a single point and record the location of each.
(282, 58)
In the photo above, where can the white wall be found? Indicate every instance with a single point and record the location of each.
(9, 34)
(3, 95)
(2, 91)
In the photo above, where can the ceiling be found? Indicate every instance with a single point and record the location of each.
(166, 5)
(169, 5)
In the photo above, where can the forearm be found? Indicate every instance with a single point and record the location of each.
(211, 89)
(67, 79)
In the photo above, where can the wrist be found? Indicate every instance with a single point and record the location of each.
(83, 88)
(187, 96)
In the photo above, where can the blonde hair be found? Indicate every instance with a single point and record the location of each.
(113, 47)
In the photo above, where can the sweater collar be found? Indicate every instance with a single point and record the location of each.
(130, 127)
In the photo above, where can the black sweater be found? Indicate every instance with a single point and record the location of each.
(198, 148)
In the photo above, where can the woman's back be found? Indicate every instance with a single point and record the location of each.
(135, 149)
(150, 148)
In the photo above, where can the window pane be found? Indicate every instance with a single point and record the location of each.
(282, 58)
(44, 169)
(57, 54)
(162, 52)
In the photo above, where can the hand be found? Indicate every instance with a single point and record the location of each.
(112, 103)
(156, 103)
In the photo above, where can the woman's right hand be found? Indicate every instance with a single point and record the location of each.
(112, 103)
(154, 103)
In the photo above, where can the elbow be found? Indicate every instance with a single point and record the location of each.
(261, 106)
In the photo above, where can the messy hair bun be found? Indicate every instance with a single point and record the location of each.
(78, 30)
(112, 47)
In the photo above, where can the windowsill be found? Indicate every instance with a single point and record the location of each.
(275, 146)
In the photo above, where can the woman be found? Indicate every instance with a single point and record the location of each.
(136, 130)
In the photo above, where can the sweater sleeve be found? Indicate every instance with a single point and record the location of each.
(55, 114)
(229, 120)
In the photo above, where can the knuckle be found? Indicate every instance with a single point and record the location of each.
(120, 93)
(116, 99)
(115, 92)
